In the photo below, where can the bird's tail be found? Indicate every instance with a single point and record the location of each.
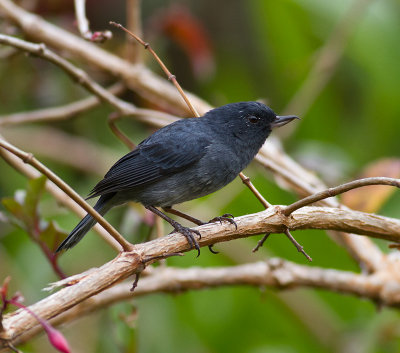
(102, 206)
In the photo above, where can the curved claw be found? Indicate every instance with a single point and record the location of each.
(225, 217)
(210, 247)
(188, 234)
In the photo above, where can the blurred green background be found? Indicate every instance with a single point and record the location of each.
(255, 49)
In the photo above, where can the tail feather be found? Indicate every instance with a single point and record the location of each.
(102, 206)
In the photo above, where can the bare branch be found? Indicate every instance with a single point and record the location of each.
(58, 194)
(30, 159)
(127, 263)
(271, 220)
(124, 108)
(340, 190)
(275, 273)
(83, 24)
(170, 76)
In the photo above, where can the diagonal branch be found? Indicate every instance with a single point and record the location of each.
(30, 159)
(58, 194)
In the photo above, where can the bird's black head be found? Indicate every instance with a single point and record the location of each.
(249, 121)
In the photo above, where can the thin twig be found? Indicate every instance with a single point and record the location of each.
(261, 242)
(296, 244)
(30, 159)
(61, 197)
(83, 24)
(246, 180)
(340, 190)
(112, 118)
(170, 76)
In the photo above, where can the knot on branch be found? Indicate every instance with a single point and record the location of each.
(280, 212)
(41, 48)
(280, 272)
(28, 158)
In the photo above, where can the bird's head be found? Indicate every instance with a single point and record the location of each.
(248, 120)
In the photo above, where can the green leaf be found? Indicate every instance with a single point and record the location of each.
(51, 235)
(24, 205)
(34, 192)
(16, 210)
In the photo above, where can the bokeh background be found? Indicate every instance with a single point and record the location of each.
(334, 63)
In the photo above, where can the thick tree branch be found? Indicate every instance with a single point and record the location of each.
(275, 273)
(271, 220)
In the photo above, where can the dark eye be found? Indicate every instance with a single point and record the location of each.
(253, 119)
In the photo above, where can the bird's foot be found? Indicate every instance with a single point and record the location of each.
(188, 233)
(225, 217)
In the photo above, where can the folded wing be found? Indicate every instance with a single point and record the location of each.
(153, 159)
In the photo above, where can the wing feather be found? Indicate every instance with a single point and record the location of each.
(159, 155)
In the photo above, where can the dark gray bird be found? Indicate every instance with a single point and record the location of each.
(185, 160)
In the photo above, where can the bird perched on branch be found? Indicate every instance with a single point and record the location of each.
(185, 160)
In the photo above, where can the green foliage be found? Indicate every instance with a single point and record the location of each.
(24, 205)
(24, 213)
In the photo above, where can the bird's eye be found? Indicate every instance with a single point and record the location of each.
(253, 119)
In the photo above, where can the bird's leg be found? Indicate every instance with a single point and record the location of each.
(183, 215)
(225, 217)
(187, 232)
